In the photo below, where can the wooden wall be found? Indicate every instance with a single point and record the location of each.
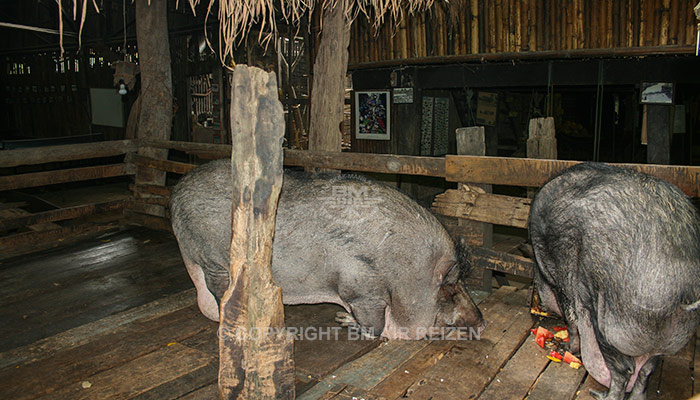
(44, 96)
(495, 26)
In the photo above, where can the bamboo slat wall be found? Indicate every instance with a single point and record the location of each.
(495, 26)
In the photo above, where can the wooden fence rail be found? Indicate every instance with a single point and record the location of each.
(22, 231)
(70, 152)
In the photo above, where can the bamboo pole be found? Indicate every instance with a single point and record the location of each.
(498, 26)
(609, 23)
(580, 24)
(615, 23)
(665, 14)
(673, 23)
(474, 25)
(643, 15)
(569, 30)
(403, 39)
(518, 40)
(540, 25)
(656, 37)
(491, 45)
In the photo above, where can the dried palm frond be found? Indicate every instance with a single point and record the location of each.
(83, 14)
(238, 17)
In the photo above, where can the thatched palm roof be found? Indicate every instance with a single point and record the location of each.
(238, 17)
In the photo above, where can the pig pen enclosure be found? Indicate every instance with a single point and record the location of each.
(114, 315)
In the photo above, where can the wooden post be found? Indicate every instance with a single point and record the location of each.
(658, 127)
(541, 142)
(328, 90)
(471, 141)
(255, 354)
(156, 95)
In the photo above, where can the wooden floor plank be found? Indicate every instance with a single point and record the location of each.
(396, 384)
(41, 273)
(66, 367)
(69, 339)
(205, 375)
(676, 374)
(138, 376)
(558, 381)
(208, 392)
(478, 361)
(368, 370)
(514, 380)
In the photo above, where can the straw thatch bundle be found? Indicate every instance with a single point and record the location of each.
(238, 17)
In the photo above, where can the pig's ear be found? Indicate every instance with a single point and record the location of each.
(452, 275)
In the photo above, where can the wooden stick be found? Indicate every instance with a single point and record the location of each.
(35, 179)
(70, 152)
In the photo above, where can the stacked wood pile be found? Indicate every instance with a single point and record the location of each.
(502, 26)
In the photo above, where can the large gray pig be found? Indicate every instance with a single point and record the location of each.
(618, 257)
(343, 240)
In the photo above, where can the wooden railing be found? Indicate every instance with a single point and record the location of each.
(466, 203)
(22, 231)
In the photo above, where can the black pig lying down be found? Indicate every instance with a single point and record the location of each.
(342, 240)
(618, 257)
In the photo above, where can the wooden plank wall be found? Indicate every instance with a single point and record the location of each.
(497, 26)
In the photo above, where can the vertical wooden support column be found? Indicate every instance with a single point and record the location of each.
(541, 142)
(471, 141)
(328, 90)
(658, 134)
(255, 355)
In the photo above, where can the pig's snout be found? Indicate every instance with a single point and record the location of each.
(457, 309)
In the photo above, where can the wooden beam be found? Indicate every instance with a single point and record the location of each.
(163, 165)
(35, 179)
(23, 243)
(163, 191)
(70, 152)
(61, 214)
(535, 173)
(382, 163)
(502, 262)
(470, 203)
(148, 220)
(223, 150)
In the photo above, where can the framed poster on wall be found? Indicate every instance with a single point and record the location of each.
(373, 115)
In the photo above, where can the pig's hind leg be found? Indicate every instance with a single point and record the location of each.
(621, 367)
(205, 299)
(639, 390)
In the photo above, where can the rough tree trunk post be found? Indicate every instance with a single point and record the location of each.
(254, 364)
(471, 141)
(156, 95)
(328, 90)
(541, 142)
